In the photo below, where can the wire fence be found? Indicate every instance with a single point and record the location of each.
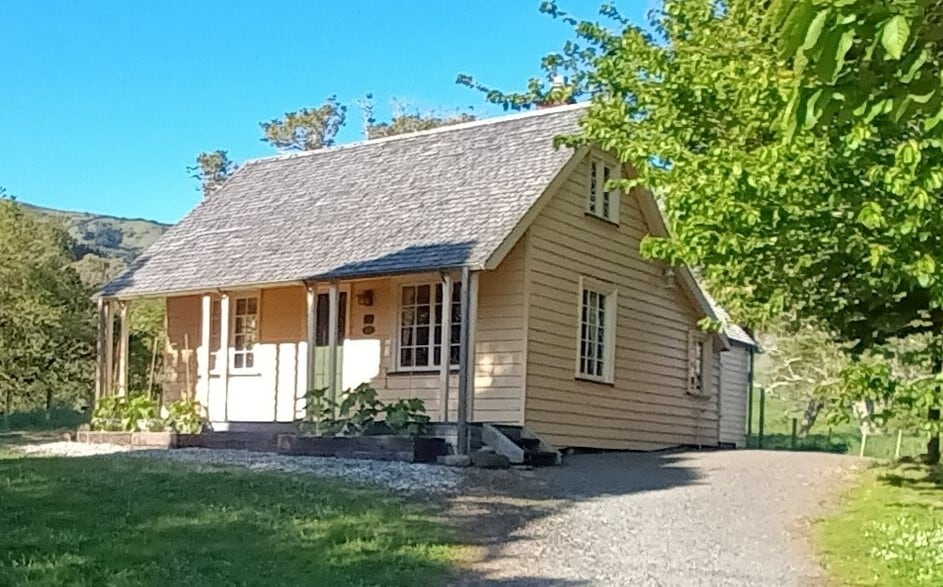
(772, 430)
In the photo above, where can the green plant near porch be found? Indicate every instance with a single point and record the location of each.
(140, 413)
(359, 411)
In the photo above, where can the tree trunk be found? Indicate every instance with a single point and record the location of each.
(933, 415)
(810, 415)
(933, 445)
(7, 408)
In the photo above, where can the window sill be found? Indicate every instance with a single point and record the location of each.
(699, 395)
(598, 381)
(601, 218)
(245, 373)
(435, 371)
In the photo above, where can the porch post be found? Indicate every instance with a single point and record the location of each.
(100, 373)
(203, 358)
(333, 319)
(123, 345)
(222, 356)
(446, 345)
(466, 373)
(109, 348)
(311, 340)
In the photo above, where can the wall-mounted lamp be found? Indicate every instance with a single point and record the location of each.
(365, 298)
(669, 275)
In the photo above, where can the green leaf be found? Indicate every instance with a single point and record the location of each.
(815, 30)
(894, 36)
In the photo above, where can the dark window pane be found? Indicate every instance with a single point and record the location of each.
(438, 335)
(422, 335)
(437, 356)
(457, 293)
(406, 336)
(456, 314)
(241, 306)
(422, 315)
(422, 357)
(456, 334)
(250, 360)
(409, 317)
(454, 354)
(253, 305)
(409, 296)
(406, 357)
(237, 361)
(423, 294)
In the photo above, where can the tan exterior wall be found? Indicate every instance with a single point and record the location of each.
(648, 406)
(269, 393)
(735, 381)
(180, 351)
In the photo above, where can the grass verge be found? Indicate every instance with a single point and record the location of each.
(136, 521)
(889, 530)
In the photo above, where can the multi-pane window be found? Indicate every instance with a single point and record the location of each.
(698, 364)
(697, 367)
(601, 200)
(245, 332)
(596, 333)
(421, 324)
(215, 321)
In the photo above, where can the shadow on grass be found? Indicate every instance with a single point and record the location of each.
(42, 420)
(914, 475)
(107, 520)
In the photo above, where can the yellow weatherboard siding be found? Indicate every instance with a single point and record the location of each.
(647, 406)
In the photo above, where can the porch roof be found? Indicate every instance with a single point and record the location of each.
(442, 198)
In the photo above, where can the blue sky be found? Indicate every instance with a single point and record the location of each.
(104, 103)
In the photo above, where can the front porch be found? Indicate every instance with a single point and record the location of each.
(250, 355)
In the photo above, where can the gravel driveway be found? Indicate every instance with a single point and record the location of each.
(686, 519)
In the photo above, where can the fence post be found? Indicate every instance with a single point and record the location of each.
(900, 434)
(759, 442)
(792, 441)
(864, 442)
(749, 413)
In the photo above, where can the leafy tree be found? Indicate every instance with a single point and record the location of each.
(405, 119)
(868, 73)
(212, 169)
(833, 219)
(306, 129)
(46, 316)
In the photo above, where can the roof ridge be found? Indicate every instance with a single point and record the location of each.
(439, 129)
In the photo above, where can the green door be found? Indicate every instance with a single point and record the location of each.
(322, 351)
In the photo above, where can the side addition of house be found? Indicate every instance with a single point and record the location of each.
(474, 261)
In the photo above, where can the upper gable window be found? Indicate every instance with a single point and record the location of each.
(602, 201)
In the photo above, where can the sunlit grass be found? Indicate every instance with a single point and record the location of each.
(888, 531)
(128, 521)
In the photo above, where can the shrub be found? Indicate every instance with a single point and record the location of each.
(407, 417)
(357, 411)
(127, 414)
(185, 416)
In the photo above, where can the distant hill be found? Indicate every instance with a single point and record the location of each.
(104, 244)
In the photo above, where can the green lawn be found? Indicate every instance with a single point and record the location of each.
(121, 521)
(889, 530)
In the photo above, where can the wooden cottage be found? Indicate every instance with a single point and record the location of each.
(475, 261)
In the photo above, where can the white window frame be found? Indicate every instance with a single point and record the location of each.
(432, 366)
(698, 349)
(232, 352)
(602, 201)
(610, 293)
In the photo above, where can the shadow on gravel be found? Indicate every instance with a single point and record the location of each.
(496, 506)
